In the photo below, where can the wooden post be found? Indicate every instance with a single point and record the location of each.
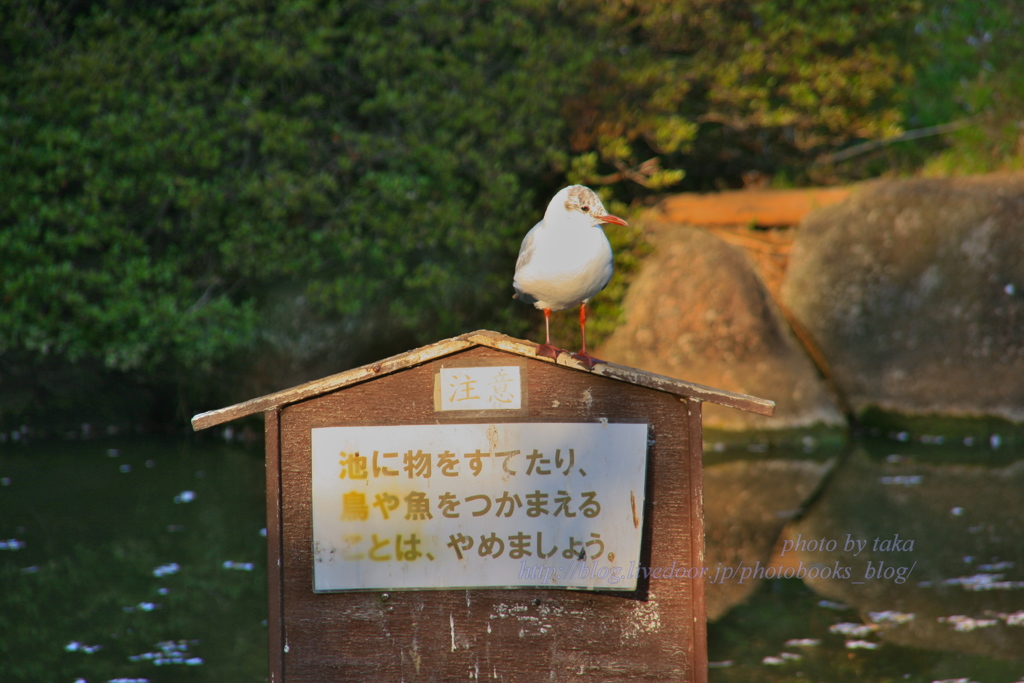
(695, 438)
(275, 597)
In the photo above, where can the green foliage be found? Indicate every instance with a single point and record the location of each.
(725, 88)
(979, 75)
(165, 165)
(168, 168)
(961, 45)
(967, 70)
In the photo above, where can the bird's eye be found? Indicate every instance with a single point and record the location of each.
(585, 209)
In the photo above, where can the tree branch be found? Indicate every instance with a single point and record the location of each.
(872, 145)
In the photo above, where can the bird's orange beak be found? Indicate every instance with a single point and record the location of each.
(612, 219)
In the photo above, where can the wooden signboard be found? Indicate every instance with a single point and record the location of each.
(468, 511)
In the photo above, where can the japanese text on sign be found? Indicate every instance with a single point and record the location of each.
(456, 506)
(480, 388)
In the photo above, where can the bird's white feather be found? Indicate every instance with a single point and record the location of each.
(566, 258)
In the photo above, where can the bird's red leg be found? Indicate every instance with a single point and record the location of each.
(583, 355)
(583, 328)
(546, 349)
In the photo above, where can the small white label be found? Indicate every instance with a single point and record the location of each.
(483, 388)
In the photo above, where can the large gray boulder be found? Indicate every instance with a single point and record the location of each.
(913, 291)
(697, 311)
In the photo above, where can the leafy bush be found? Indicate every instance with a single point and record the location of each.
(171, 168)
(964, 100)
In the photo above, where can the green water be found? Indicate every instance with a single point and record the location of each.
(142, 559)
(111, 562)
(911, 550)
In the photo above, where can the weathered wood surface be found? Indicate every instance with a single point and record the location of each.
(656, 633)
(766, 208)
(456, 344)
(275, 605)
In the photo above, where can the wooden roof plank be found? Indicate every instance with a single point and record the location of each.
(330, 383)
(752, 404)
(454, 345)
(625, 373)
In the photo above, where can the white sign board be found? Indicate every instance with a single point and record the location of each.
(557, 505)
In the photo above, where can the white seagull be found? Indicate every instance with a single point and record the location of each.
(565, 260)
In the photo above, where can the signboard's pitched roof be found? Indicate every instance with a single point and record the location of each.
(489, 339)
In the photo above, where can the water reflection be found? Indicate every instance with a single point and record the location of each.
(907, 564)
(748, 501)
(939, 542)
